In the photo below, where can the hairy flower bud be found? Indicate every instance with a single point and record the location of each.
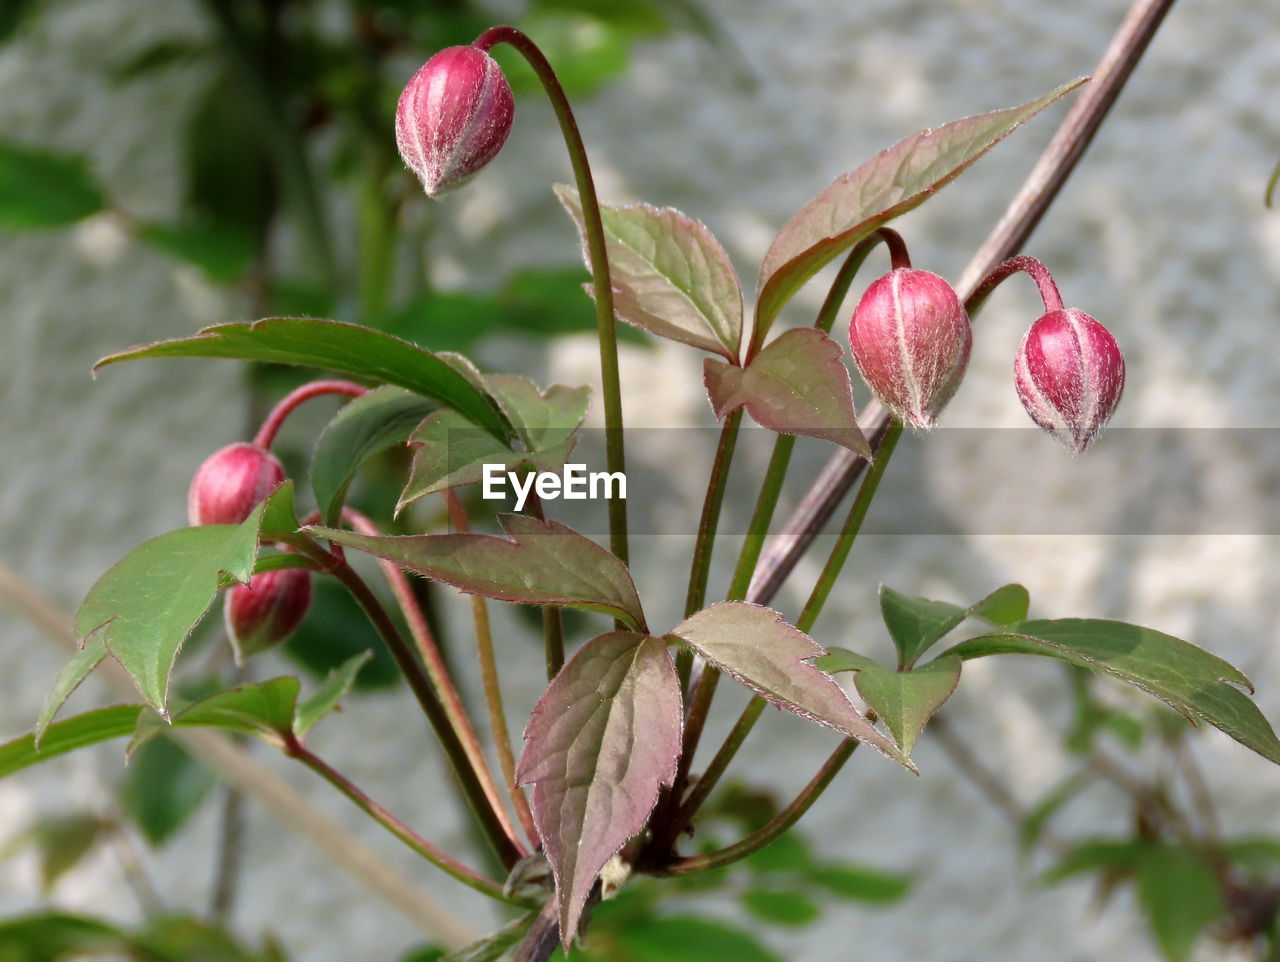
(910, 338)
(231, 483)
(1069, 373)
(267, 610)
(453, 117)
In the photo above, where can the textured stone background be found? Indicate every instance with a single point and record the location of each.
(1161, 234)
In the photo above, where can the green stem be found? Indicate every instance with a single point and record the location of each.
(594, 228)
(469, 877)
(552, 617)
(491, 822)
(776, 825)
(852, 525)
(700, 569)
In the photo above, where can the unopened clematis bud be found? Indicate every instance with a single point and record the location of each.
(267, 610)
(1069, 373)
(231, 483)
(453, 117)
(910, 337)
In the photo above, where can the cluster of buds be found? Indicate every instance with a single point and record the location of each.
(910, 338)
(226, 488)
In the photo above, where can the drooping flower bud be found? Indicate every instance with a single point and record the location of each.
(231, 482)
(267, 610)
(453, 117)
(1069, 373)
(910, 337)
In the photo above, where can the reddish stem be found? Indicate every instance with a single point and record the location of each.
(1028, 265)
(267, 433)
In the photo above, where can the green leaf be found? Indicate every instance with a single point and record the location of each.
(280, 516)
(364, 427)
(492, 946)
(163, 787)
(334, 346)
(1187, 678)
(602, 741)
(891, 183)
(1109, 857)
(183, 939)
(78, 667)
(336, 629)
(265, 709)
(42, 188)
(55, 936)
(147, 605)
(541, 563)
(670, 276)
(860, 883)
(222, 252)
(780, 906)
(1005, 606)
(449, 452)
(1032, 826)
(797, 385)
(760, 650)
(60, 841)
(690, 939)
(1179, 892)
(79, 731)
(917, 624)
(330, 694)
(787, 853)
(906, 700)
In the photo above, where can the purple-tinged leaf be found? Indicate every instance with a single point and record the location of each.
(603, 740)
(670, 276)
(450, 451)
(755, 646)
(797, 385)
(541, 563)
(891, 183)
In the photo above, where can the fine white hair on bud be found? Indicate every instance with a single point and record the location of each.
(267, 610)
(1069, 374)
(910, 337)
(231, 482)
(453, 117)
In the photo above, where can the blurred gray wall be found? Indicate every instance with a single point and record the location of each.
(1161, 234)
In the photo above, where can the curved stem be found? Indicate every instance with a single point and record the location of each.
(1029, 265)
(775, 827)
(492, 821)
(271, 426)
(552, 617)
(438, 672)
(295, 749)
(492, 687)
(614, 448)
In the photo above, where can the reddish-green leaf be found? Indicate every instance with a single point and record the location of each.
(602, 741)
(755, 646)
(147, 605)
(542, 563)
(1187, 678)
(334, 346)
(797, 385)
(450, 451)
(670, 276)
(891, 183)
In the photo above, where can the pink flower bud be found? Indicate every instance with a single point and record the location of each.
(1069, 373)
(231, 483)
(453, 117)
(267, 610)
(910, 337)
